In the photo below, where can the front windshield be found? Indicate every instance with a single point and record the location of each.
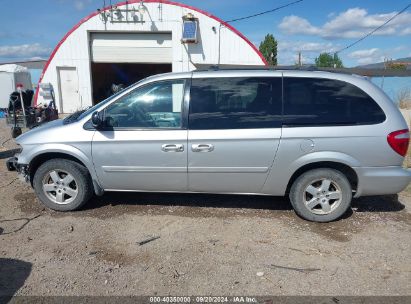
(96, 107)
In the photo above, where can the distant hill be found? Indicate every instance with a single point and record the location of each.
(380, 65)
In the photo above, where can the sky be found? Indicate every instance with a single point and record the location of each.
(31, 28)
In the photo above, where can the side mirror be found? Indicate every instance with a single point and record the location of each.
(96, 120)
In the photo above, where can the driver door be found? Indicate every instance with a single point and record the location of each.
(143, 146)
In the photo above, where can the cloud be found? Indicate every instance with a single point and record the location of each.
(288, 50)
(363, 53)
(81, 4)
(37, 58)
(291, 58)
(406, 31)
(374, 55)
(367, 56)
(24, 51)
(310, 47)
(352, 23)
(399, 48)
(297, 25)
(369, 60)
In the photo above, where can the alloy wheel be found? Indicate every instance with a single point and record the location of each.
(60, 187)
(322, 196)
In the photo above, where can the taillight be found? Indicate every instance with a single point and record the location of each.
(399, 141)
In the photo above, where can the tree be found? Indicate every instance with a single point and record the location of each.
(269, 49)
(326, 60)
(404, 98)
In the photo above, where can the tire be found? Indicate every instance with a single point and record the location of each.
(321, 195)
(62, 185)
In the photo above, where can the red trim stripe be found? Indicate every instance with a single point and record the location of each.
(234, 30)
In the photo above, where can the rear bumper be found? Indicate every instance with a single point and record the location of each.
(381, 180)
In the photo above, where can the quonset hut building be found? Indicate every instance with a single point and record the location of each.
(126, 42)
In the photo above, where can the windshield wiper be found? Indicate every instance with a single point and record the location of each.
(73, 117)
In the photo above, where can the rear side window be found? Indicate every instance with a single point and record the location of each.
(235, 103)
(315, 101)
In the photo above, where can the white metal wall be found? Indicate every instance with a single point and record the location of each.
(8, 83)
(75, 50)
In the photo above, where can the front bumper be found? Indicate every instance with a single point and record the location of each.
(22, 169)
(382, 180)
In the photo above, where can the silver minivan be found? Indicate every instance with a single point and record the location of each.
(321, 138)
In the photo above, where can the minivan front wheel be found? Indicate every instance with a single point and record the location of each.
(321, 195)
(62, 184)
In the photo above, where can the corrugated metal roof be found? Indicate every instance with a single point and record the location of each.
(30, 64)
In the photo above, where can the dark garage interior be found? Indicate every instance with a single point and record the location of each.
(104, 75)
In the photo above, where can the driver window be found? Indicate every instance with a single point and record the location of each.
(156, 105)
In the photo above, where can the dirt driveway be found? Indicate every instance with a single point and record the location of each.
(207, 245)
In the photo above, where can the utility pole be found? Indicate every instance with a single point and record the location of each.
(385, 68)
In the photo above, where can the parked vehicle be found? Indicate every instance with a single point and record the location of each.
(12, 75)
(321, 138)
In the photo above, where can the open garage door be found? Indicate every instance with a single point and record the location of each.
(105, 75)
(125, 58)
(131, 47)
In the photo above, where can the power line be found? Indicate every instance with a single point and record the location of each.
(265, 12)
(374, 30)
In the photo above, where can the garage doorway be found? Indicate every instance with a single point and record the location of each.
(104, 75)
(123, 58)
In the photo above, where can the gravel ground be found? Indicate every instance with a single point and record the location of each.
(207, 245)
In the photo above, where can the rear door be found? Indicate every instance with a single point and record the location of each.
(327, 120)
(234, 132)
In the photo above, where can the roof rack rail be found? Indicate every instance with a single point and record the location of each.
(311, 68)
(260, 68)
(257, 67)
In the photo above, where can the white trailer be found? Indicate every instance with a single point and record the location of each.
(10, 76)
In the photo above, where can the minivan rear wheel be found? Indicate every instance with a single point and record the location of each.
(321, 195)
(62, 185)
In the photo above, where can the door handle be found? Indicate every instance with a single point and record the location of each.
(202, 148)
(172, 148)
